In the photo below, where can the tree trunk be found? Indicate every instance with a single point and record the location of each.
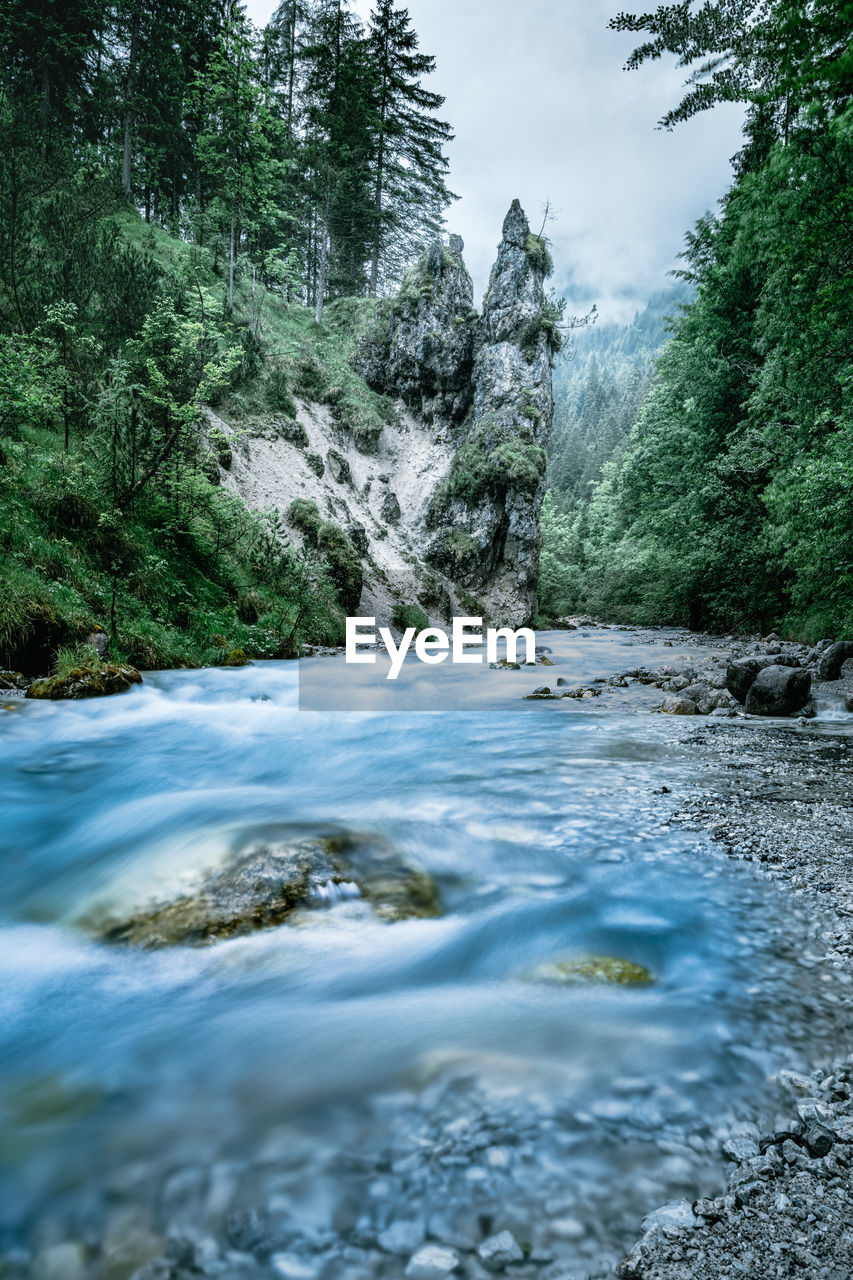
(324, 255)
(380, 180)
(231, 268)
(130, 94)
(377, 221)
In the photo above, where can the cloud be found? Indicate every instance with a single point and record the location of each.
(543, 110)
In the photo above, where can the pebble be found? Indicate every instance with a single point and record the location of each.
(292, 1267)
(66, 1261)
(433, 1262)
(403, 1237)
(674, 1216)
(499, 1251)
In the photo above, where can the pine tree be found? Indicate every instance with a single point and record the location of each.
(409, 169)
(233, 146)
(336, 132)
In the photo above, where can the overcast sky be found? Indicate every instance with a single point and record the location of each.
(543, 110)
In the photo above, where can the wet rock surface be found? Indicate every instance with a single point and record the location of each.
(263, 887)
(778, 691)
(85, 682)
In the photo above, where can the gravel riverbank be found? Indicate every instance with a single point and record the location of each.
(779, 797)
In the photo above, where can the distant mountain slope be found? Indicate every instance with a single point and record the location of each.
(597, 392)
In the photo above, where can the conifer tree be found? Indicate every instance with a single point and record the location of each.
(409, 168)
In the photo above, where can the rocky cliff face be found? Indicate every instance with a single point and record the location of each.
(486, 382)
(438, 503)
(423, 347)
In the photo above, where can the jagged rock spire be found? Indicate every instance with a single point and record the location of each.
(488, 380)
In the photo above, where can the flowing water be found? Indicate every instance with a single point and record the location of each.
(312, 1100)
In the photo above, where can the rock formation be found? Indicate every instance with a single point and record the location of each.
(438, 497)
(422, 349)
(485, 381)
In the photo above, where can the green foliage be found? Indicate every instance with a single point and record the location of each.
(404, 616)
(729, 507)
(546, 322)
(303, 515)
(338, 552)
(538, 254)
(80, 657)
(497, 457)
(597, 395)
(277, 394)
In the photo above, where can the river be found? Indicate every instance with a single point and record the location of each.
(315, 1100)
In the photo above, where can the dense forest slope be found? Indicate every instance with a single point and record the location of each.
(729, 506)
(244, 389)
(234, 487)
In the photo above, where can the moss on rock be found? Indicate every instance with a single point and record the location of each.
(607, 969)
(336, 547)
(262, 888)
(86, 682)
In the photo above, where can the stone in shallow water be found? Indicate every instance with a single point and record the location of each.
(83, 682)
(293, 1267)
(677, 1215)
(433, 1262)
(499, 1251)
(592, 969)
(263, 887)
(66, 1261)
(403, 1237)
(675, 705)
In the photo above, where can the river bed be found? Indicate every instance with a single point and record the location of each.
(320, 1099)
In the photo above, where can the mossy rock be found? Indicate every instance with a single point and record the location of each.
(336, 547)
(603, 969)
(86, 682)
(13, 680)
(234, 658)
(262, 888)
(497, 457)
(47, 1099)
(536, 250)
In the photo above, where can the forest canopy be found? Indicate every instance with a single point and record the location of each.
(184, 201)
(728, 505)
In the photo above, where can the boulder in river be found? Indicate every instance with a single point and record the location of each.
(675, 705)
(833, 659)
(778, 691)
(264, 885)
(741, 672)
(86, 682)
(14, 680)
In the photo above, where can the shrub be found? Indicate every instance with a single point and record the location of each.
(404, 616)
(536, 249)
(277, 394)
(336, 547)
(495, 458)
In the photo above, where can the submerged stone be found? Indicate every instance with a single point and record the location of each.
(609, 969)
(262, 888)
